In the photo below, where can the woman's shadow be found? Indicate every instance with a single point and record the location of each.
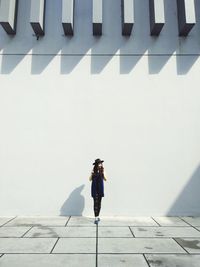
(75, 203)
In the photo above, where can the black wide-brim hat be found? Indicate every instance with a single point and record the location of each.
(97, 161)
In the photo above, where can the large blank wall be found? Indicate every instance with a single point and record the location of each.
(132, 101)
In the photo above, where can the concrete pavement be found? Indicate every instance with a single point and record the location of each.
(115, 241)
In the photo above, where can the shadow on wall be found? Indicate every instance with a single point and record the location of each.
(16, 44)
(188, 202)
(71, 50)
(75, 203)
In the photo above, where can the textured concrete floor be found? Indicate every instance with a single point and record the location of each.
(116, 241)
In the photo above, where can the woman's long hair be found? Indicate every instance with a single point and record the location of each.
(95, 169)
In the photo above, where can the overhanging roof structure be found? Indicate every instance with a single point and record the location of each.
(37, 18)
(97, 19)
(127, 7)
(186, 16)
(156, 15)
(68, 16)
(8, 15)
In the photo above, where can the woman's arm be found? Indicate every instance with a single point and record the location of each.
(104, 176)
(90, 178)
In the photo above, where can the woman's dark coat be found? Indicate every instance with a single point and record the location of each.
(97, 186)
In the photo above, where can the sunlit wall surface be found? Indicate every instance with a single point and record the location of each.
(116, 80)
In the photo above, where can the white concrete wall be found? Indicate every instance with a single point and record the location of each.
(65, 101)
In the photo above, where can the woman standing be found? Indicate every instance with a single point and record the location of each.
(97, 187)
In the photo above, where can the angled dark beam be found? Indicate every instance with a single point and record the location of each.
(37, 18)
(127, 8)
(186, 16)
(68, 16)
(97, 19)
(8, 15)
(157, 16)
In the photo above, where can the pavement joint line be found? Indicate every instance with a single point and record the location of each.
(27, 231)
(8, 221)
(146, 259)
(93, 253)
(126, 226)
(128, 237)
(33, 225)
(184, 220)
(155, 221)
(90, 225)
(196, 228)
(96, 245)
(180, 245)
(57, 253)
(54, 245)
(68, 220)
(157, 253)
(156, 237)
(131, 231)
(189, 224)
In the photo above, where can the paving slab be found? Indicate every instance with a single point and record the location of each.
(173, 260)
(192, 245)
(26, 245)
(127, 221)
(5, 219)
(138, 245)
(165, 231)
(113, 221)
(47, 260)
(68, 231)
(81, 221)
(13, 231)
(121, 260)
(194, 221)
(169, 221)
(112, 231)
(39, 220)
(75, 245)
